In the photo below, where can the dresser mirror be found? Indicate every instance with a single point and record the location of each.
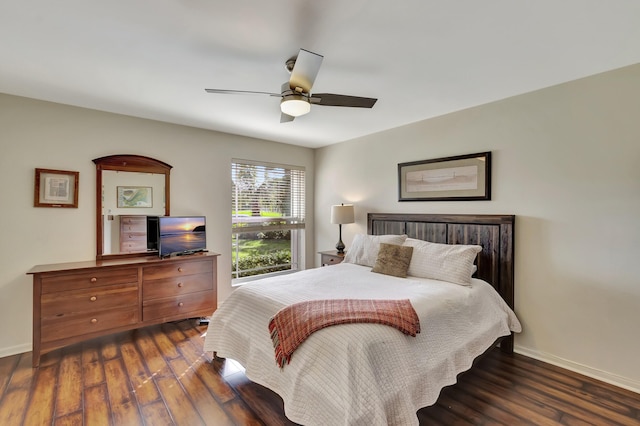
(131, 190)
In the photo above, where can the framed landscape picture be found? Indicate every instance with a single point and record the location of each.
(460, 178)
(135, 196)
(56, 188)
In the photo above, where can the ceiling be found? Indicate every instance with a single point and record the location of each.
(420, 58)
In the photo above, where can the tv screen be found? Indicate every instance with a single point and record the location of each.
(181, 235)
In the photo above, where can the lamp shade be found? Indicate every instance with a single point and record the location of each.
(342, 214)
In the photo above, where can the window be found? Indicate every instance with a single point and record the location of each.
(267, 226)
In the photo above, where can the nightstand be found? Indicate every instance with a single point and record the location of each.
(330, 257)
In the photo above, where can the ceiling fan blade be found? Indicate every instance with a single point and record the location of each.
(286, 118)
(331, 99)
(305, 70)
(240, 92)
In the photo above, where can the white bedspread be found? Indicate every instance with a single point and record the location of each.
(360, 374)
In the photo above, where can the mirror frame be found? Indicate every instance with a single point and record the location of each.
(126, 163)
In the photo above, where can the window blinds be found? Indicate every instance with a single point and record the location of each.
(267, 197)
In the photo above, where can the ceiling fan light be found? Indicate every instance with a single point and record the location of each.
(295, 105)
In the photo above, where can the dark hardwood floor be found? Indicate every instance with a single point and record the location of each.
(160, 376)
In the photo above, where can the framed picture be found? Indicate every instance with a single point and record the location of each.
(135, 196)
(56, 188)
(460, 178)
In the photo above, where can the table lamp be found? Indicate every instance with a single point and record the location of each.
(341, 215)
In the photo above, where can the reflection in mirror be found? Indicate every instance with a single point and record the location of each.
(131, 190)
(128, 198)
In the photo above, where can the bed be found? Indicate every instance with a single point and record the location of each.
(371, 374)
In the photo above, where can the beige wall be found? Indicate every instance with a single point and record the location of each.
(566, 161)
(35, 134)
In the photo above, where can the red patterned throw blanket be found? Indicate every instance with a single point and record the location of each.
(293, 324)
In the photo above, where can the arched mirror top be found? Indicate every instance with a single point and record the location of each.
(129, 187)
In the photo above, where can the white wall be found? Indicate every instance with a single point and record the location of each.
(35, 134)
(566, 161)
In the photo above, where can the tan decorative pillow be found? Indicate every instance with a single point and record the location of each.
(393, 260)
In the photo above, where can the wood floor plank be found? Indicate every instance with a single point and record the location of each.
(266, 404)
(553, 380)
(73, 419)
(211, 412)
(104, 382)
(464, 414)
(7, 365)
(242, 414)
(165, 344)
(524, 408)
(200, 362)
(97, 411)
(23, 374)
(13, 406)
(109, 347)
(143, 384)
(92, 368)
(152, 356)
(571, 396)
(178, 402)
(606, 391)
(50, 358)
(41, 405)
(124, 406)
(438, 415)
(156, 414)
(498, 414)
(69, 395)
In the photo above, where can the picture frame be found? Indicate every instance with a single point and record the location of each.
(458, 178)
(56, 188)
(134, 197)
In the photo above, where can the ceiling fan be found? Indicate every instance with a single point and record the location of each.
(295, 94)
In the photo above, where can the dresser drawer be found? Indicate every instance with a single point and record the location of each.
(91, 279)
(133, 243)
(133, 223)
(179, 306)
(177, 269)
(86, 323)
(175, 286)
(66, 303)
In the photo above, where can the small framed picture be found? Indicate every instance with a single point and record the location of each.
(56, 188)
(135, 197)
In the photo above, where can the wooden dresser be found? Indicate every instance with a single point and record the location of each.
(73, 302)
(133, 234)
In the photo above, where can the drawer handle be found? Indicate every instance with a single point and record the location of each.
(93, 279)
(93, 298)
(180, 304)
(179, 269)
(130, 236)
(180, 284)
(94, 320)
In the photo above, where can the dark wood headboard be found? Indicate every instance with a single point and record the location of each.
(493, 232)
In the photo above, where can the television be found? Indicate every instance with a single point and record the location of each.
(181, 235)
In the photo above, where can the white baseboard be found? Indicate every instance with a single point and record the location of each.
(585, 370)
(13, 350)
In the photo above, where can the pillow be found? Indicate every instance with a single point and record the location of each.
(364, 248)
(445, 262)
(393, 260)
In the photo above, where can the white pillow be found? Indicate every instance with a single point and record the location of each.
(364, 248)
(445, 262)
